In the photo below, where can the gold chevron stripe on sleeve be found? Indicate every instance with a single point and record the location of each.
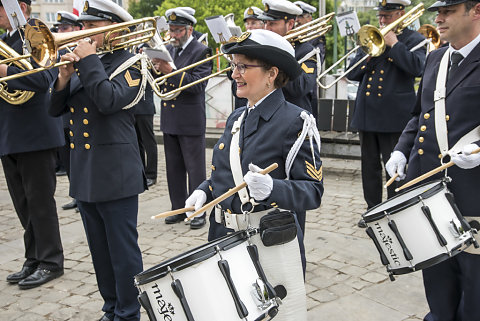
(314, 173)
(307, 70)
(130, 81)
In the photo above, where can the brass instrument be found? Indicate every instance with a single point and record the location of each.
(371, 40)
(15, 97)
(431, 33)
(306, 32)
(43, 45)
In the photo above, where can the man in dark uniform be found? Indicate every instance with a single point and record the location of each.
(279, 16)
(385, 97)
(453, 286)
(66, 22)
(106, 173)
(319, 42)
(183, 118)
(29, 139)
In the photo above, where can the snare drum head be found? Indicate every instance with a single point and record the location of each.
(405, 199)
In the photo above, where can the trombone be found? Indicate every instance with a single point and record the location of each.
(43, 45)
(306, 32)
(371, 40)
(431, 33)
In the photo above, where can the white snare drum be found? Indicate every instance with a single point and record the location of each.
(222, 280)
(418, 228)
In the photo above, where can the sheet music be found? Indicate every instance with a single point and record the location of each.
(14, 14)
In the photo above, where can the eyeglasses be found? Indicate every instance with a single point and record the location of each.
(242, 67)
(177, 31)
(384, 16)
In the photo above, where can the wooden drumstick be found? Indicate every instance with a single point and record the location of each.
(430, 173)
(229, 193)
(390, 181)
(174, 212)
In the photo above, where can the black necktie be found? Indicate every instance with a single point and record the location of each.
(177, 53)
(454, 59)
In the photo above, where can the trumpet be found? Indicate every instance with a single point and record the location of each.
(371, 40)
(15, 97)
(306, 32)
(431, 33)
(43, 45)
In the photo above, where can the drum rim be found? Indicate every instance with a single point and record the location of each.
(371, 215)
(191, 257)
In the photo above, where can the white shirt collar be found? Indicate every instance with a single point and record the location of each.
(467, 49)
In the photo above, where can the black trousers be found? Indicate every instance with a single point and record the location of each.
(111, 229)
(31, 182)
(147, 144)
(375, 148)
(64, 152)
(184, 155)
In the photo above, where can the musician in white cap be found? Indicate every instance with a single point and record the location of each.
(67, 21)
(106, 172)
(251, 18)
(279, 16)
(183, 119)
(385, 95)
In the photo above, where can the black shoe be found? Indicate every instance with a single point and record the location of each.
(105, 318)
(22, 274)
(61, 172)
(39, 277)
(70, 205)
(151, 182)
(77, 210)
(174, 219)
(197, 222)
(362, 224)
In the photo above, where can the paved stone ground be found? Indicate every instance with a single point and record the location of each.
(345, 280)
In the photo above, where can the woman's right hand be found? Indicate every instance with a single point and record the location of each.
(197, 200)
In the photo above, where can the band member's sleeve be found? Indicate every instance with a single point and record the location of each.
(37, 82)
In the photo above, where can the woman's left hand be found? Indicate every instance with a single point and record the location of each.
(259, 185)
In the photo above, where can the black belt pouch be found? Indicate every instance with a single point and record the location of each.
(277, 227)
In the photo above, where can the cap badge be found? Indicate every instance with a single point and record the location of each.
(59, 17)
(384, 3)
(85, 6)
(250, 11)
(244, 36)
(173, 16)
(267, 7)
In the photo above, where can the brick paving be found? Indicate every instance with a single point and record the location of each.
(344, 281)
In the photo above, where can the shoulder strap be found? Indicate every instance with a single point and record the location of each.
(235, 163)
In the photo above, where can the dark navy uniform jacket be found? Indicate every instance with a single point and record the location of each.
(386, 92)
(28, 127)
(270, 131)
(146, 106)
(185, 115)
(299, 91)
(418, 141)
(104, 157)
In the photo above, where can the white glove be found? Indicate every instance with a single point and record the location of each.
(259, 185)
(396, 165)
(466, 159)
(197, 199)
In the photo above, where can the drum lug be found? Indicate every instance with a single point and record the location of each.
(391, 277)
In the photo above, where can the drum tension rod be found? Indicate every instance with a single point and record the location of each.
(180, 293)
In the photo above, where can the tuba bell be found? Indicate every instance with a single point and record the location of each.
(14, 97)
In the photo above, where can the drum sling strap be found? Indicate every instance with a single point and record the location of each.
(441, 126)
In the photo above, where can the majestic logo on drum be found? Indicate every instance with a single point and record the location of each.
(387, 242)
(165, 309)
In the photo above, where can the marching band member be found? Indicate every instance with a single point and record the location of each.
(29, 139)
(385, 95)
(106, 173)
(251, 18)
(183, 119)
(441, 127)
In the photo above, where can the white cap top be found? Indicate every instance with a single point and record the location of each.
(181, 16)
(104, 10)
(305, 7)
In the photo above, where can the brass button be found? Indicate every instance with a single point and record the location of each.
(380, 87)
(86, 134)
(78, 74)
(426, 116)
(379, 95)
(50, 90)
(87, 146)
(447, 117)
(369, 86)
(367, 93)
(72, 146)
(390, 59)
(173, 106)
(164, 104)
(421, 139)
(380, 79)
(228, 211)
(423, 128)
(76, 69)
(71, 133)
(213, 168)
(373, 72)
(72, 109)
(71, 122)
(363, 67)
(420, 151)
(85, 121)
(221, 146)
(85, 110)
(370, 79)
(382, 72)
(273, 204)
(440, 156)
(210, 187)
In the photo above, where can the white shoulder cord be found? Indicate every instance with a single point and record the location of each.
(310, 128)
(144, 71)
